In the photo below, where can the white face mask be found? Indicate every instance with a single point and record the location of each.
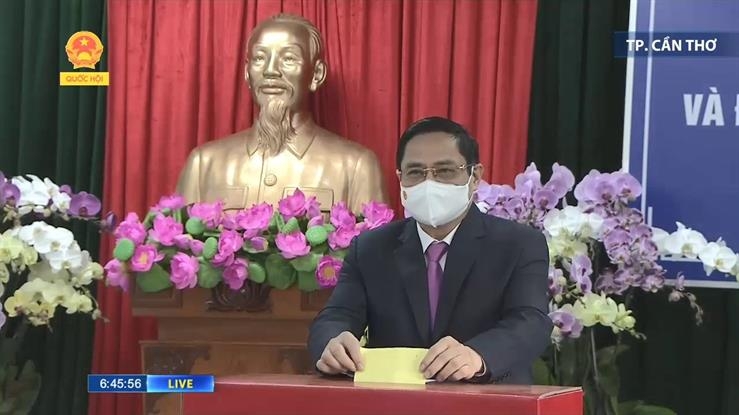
(433, 203)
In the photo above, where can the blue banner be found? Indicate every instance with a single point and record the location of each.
(681, 128)
(116, 383)
(150, 383)
(716, 44)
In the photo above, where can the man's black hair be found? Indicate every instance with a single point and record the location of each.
(466, 144)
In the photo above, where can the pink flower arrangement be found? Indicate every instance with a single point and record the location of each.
(185, 246)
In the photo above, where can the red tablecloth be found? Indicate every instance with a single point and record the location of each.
(312, 395)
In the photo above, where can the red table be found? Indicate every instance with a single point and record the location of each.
(312, 395)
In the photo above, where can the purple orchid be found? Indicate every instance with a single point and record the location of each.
(596, 188)
(515, 208)
(9, 193)
(84, 205)
(528, 182)
(65, 188)
(545, 199)
(108, 223)
(569, 326)
(561, 182)
(554, 277)
(627, 187)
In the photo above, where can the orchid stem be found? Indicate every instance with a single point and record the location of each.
(595, 361)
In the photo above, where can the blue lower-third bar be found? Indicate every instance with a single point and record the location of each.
(179, 383)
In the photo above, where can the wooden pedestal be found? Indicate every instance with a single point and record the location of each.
(255, 331)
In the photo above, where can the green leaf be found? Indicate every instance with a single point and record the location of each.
(280, 274)
(124, 249)
(178, 215)
(639, 408)
(610, 379)
(209, 234)
(194, 226)
(208, 275)
(341, 254)
(169, 252)
(626, 408)
(154, 280)
(291, 226)
(611, 353)
(149, 219)
(307, 281)
(20, 391)
(320, 249)
(210, 248)
(316, 235)
(542, 374)
(329, 227)
(257, 273)
(277, 222)
(567, 362)
(306, 263)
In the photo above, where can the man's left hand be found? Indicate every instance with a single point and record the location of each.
(450, 359)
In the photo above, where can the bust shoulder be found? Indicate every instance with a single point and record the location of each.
(224, 145)
(342, 145)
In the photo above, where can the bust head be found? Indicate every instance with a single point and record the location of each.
(283, 66)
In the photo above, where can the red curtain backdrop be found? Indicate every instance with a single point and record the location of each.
(177, 81)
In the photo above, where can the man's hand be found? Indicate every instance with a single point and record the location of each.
(342, 354)
(450, 359)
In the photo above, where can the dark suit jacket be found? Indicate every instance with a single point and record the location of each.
(493, 296)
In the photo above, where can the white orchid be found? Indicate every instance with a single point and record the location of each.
(34, 194)
(685, 242)
(571, 220)
(77, 302)
(68, 258)
(566, 247)
(4, 274)
(717, 256)
(10, 248)
(592, 309)
(58, 269)
(46, 238)
(659, 236)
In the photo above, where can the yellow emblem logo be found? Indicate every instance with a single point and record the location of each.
(84, 50)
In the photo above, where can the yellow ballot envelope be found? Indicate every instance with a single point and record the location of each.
(392, 365)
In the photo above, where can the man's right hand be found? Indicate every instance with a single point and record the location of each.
(342, 354)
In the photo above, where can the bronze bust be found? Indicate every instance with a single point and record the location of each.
(284, 149)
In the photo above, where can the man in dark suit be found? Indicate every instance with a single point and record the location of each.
(470, 287)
